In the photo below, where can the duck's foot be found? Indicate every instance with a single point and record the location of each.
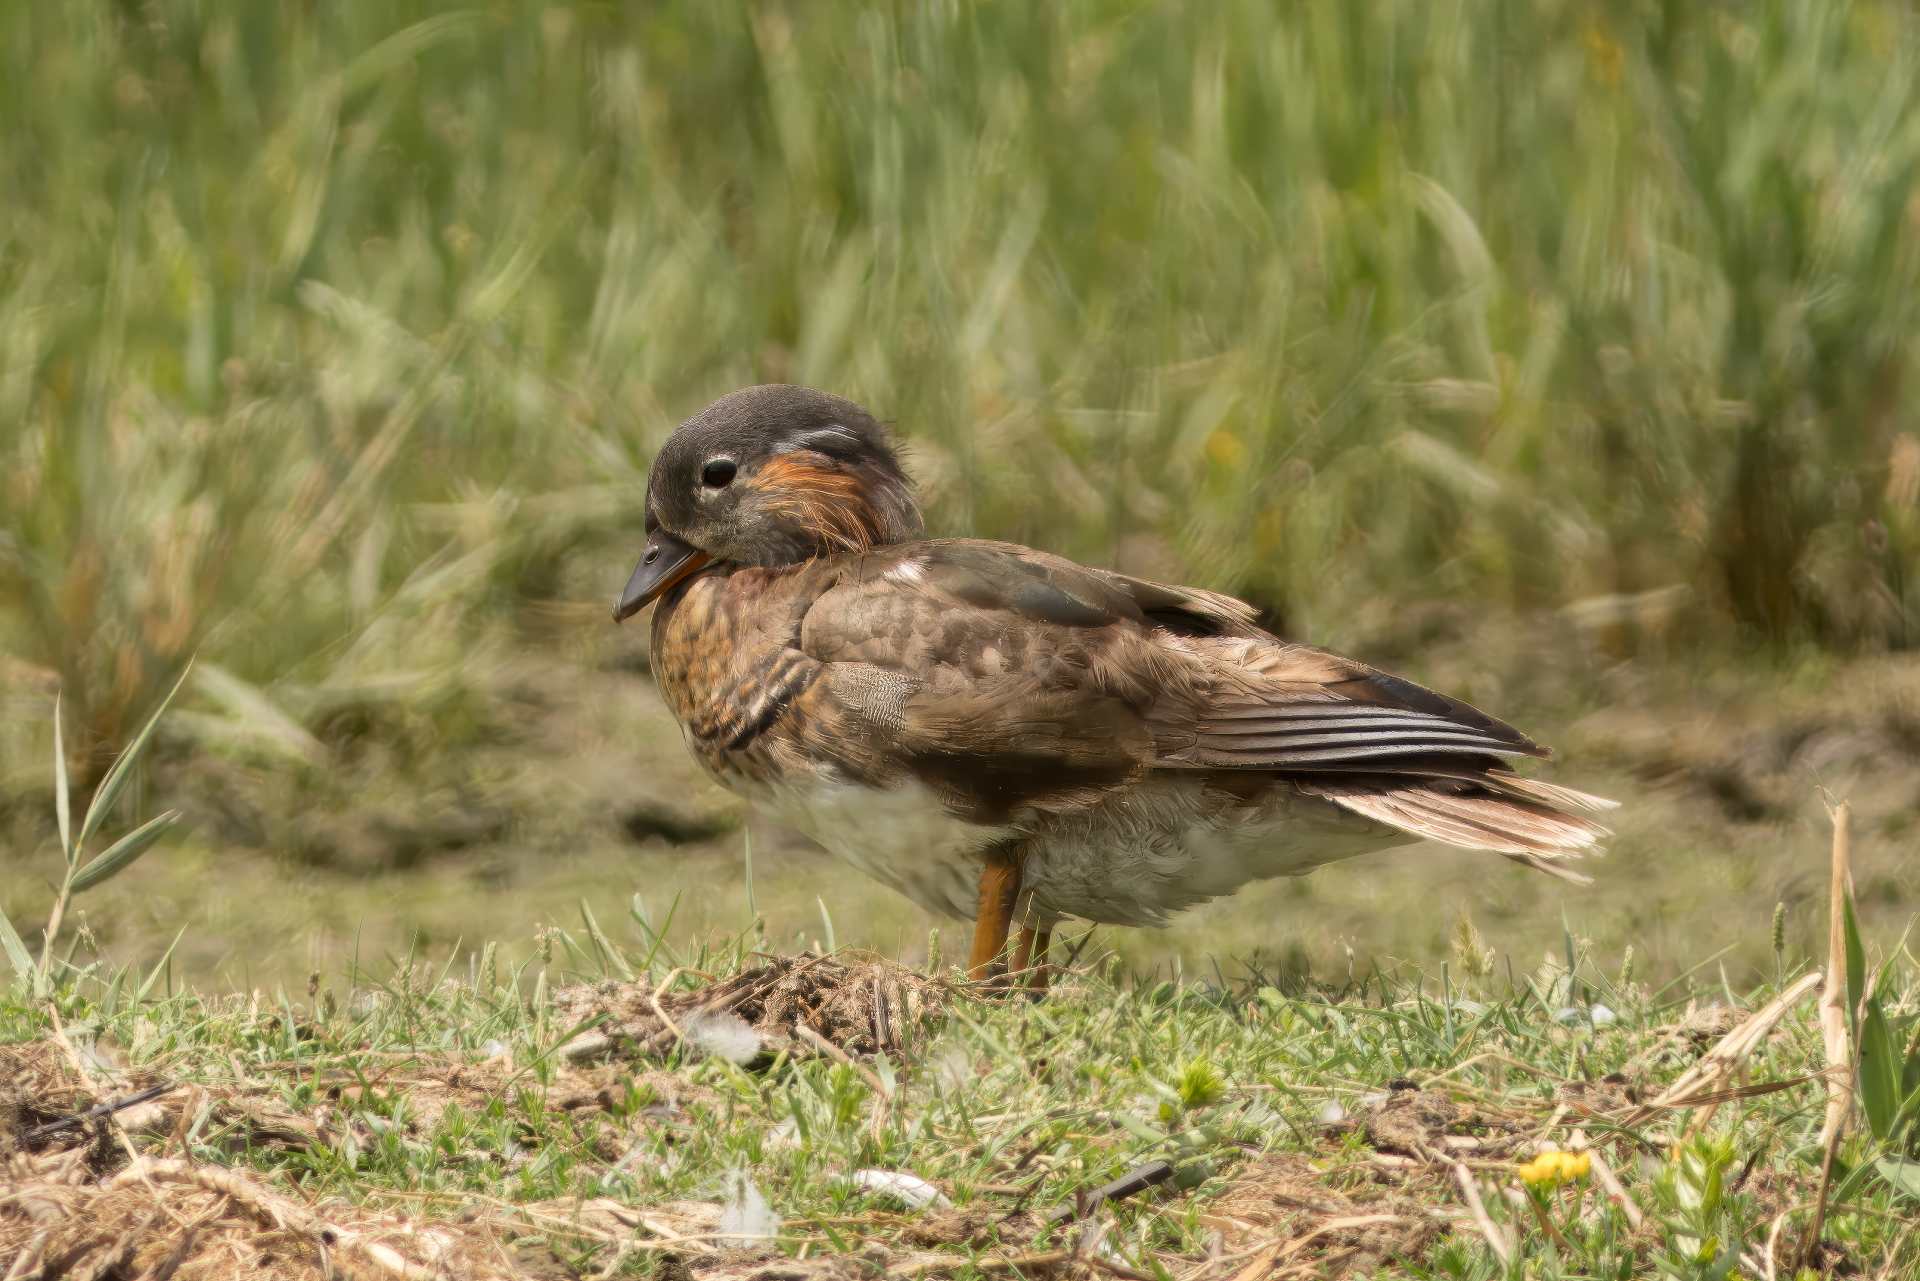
(1029, 965)
(999, 891)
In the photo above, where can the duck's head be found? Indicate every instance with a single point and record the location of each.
(769, 475)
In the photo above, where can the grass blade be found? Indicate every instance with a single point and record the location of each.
(1879, 1073)
(116, 779)
(62, 799)
(608, 952)
(123, 852)
(1856, 965)
(15, 947)
(159, 968)
(753, 908)
(826, 924)
(263, 720)
(1901, 1174)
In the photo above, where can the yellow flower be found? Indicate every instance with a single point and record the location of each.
(1554, 1167)
(1225, 449)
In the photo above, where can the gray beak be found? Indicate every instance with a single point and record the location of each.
(666, 561)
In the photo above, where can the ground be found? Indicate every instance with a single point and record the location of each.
(737, 1115)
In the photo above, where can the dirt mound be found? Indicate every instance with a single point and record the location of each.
(1431, 1125)
(426, 1086)
(52, 1099)
(163, 1217)
(1284, 1214)
(861, 1005)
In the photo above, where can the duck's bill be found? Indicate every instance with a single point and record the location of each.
(667, 560)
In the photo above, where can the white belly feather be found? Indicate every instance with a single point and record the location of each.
(1173, 845)
(1133, 860)
(903, 837)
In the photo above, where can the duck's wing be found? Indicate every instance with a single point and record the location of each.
(1000, 645)
(983, 670)
(1007, 678)
(1260, 702)
(1267, 704)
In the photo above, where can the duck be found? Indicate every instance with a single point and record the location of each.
(1005, 736)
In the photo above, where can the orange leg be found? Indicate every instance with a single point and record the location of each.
(1022, 952)
(1030, 949)
(999, 889)
(1040, 958)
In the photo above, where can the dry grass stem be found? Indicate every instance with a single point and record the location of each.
(1610, 1182)
(1470, 1192)
(1833, 996)
(1834, 1016)
(1704, 1083)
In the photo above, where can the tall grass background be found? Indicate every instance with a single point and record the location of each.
(335, 339)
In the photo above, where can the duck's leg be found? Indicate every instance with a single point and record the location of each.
(1029, 962)
(1022, 953)
(1040, 961)
(999, 891)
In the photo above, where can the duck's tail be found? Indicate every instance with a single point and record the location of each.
(1539, 824)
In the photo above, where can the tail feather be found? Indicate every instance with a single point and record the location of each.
(1520, 818)
(1550, 794)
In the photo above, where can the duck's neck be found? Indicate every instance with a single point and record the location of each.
(822, 511)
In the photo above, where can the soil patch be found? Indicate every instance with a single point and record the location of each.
(165, 1217)
(51, 1100)
(1286, 1215)
(1432, 1125)
(862, 1005)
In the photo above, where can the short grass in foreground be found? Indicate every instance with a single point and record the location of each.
(605, 1113)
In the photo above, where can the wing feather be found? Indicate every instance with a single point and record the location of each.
(1302, 708)
(1272, 759)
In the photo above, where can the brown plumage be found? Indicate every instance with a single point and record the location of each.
(975, 722)
(820, 499)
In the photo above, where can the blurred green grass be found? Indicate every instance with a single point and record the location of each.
(335, 340)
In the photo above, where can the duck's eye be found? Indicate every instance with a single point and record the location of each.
(718, 473)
